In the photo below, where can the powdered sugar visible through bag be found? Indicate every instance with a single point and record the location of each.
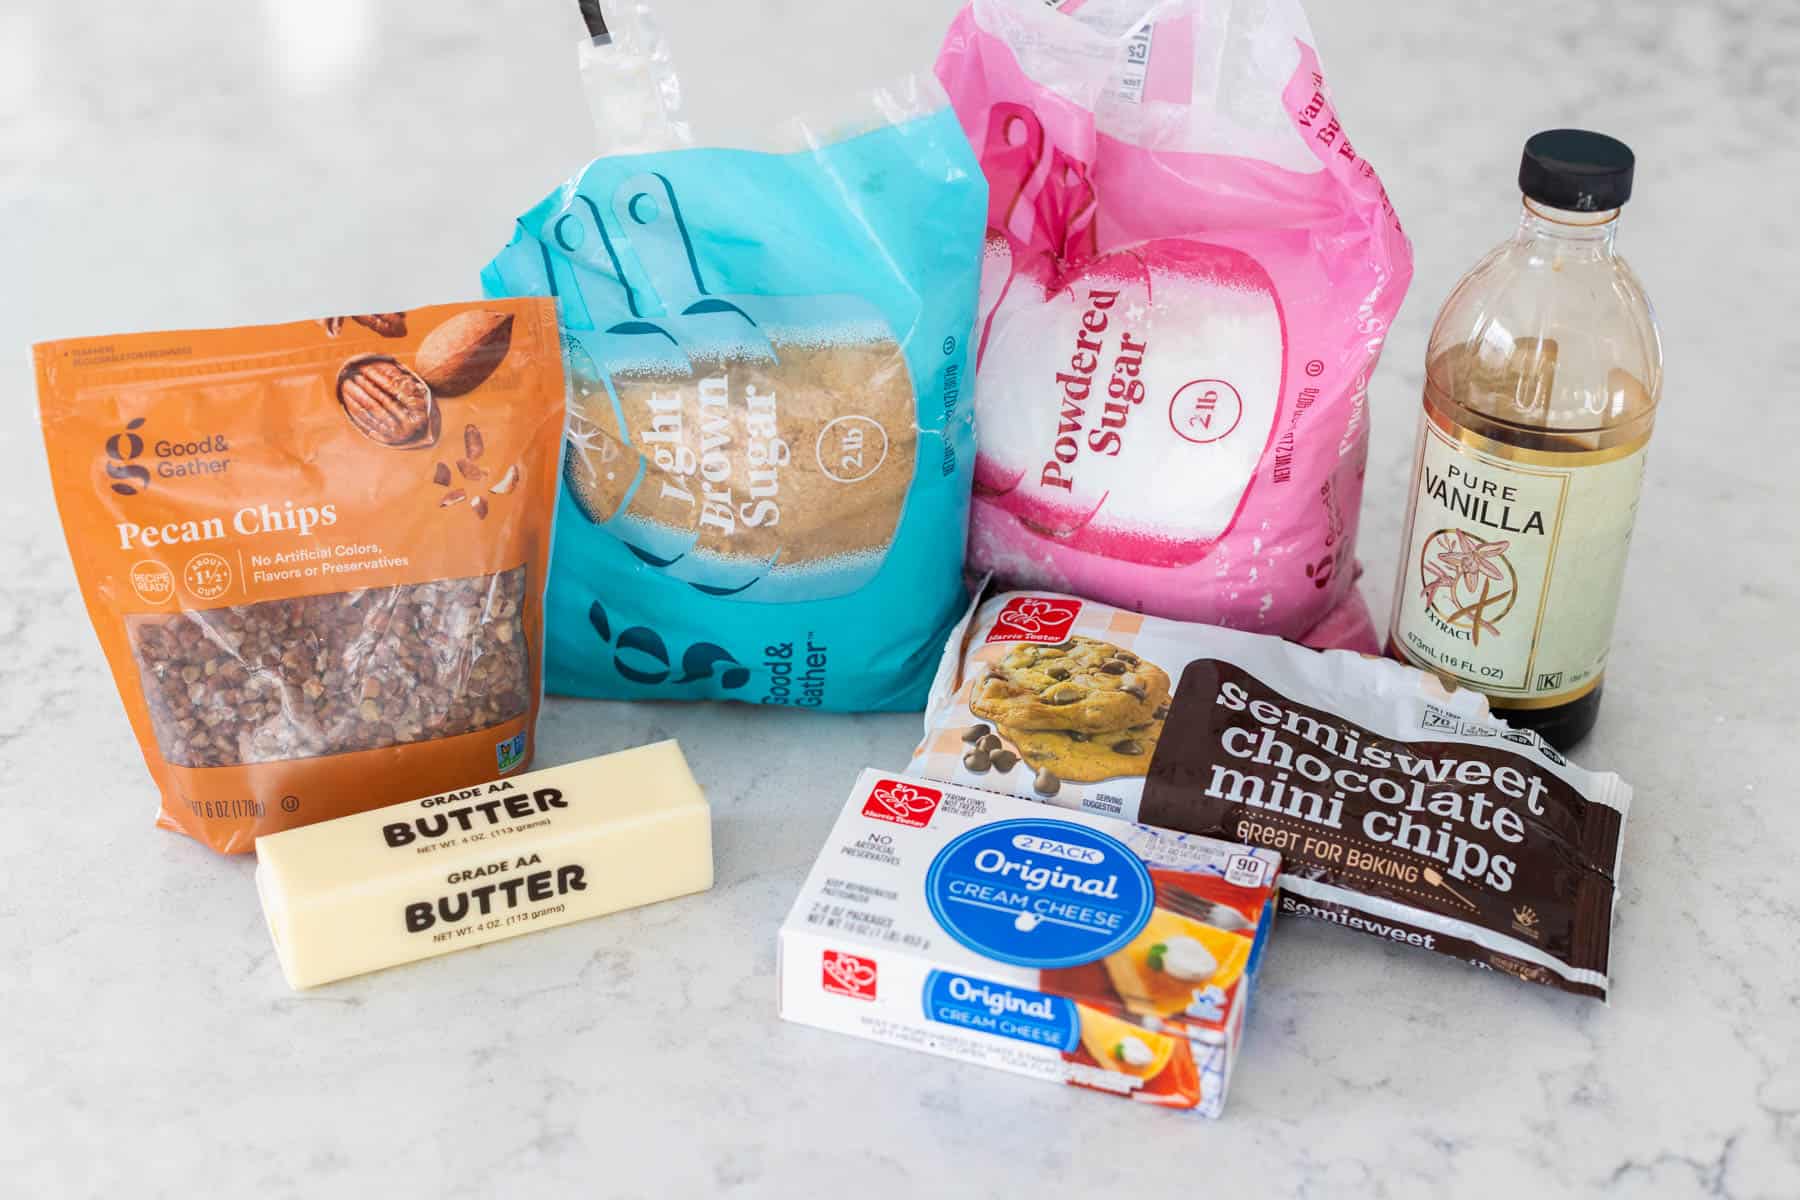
(1189, 273)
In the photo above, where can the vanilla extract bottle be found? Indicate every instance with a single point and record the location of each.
(1541, 384)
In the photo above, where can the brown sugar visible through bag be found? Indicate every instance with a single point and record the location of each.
(831, 482)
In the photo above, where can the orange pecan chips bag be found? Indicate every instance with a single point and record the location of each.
(314, 553)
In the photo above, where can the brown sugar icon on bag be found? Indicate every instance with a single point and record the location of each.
(751, 446)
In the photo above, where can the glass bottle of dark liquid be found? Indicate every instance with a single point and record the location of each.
(1541, 385)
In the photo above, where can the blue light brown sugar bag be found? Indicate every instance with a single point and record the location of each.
(766, 477)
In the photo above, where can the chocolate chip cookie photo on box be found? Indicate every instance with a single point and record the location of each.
(1084, 757)
(1083, 685)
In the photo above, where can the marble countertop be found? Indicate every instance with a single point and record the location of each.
(203, 163)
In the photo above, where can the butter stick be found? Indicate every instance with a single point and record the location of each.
(469, 867)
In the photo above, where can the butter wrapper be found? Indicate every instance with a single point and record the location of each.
(1058, 945)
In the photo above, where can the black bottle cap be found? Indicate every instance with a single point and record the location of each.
(1576, 169)
(595, 21)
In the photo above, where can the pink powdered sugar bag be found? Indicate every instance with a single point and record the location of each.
(1188, 279)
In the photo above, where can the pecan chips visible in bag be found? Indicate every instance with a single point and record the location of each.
(314, 552)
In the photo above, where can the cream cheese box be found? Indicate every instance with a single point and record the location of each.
(1055, 944)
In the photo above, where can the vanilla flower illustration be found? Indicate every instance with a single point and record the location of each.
(1473, 558)
(1437, 580)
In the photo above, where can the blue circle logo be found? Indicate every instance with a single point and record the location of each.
(1039, 893)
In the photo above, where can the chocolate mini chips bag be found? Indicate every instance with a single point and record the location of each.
(1399, 809)
(314, 552)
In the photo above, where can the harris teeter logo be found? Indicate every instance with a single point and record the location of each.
(902, 803)
(844, 974)
(1035, 619)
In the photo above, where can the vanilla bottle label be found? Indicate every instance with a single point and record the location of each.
(1513, 563)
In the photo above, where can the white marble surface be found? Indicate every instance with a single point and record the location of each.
(209, 163)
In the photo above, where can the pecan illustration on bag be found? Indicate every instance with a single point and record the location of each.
(387, 402)
(388, 325)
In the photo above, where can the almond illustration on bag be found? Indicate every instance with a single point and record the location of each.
(303, 617)
(456, 356)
